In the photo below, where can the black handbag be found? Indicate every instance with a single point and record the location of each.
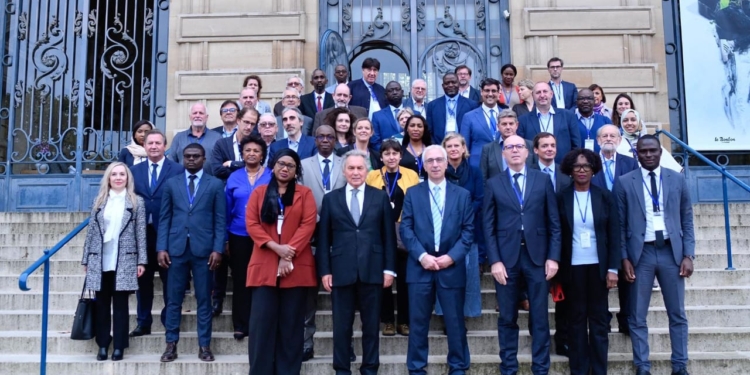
(84, 322)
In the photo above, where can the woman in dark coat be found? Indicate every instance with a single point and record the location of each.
(135, 152)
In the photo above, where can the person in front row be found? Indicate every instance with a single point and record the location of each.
(280, 218)
(191, 235)
(522, 233)
(114, 256)
(589, 260)
(437, 229)
(657, 239)
(356, 258)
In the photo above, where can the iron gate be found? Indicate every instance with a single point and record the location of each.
(76, 75)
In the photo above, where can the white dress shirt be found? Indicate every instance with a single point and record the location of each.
(113, 211)
(199, 175)
(557, 90)
(546, 122)
(159, 165)
(237, 153)
(465, 93)
(294, 143)
(650, 234)
(450, 121)
(374, 105)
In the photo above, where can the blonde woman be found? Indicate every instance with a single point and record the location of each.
(632, 129)
(114, 256)
(525, 88)
(402, 116)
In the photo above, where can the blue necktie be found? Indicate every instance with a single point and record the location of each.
(153, 177)
(437, 216)
(452, 107)
(372, 93)
(608, 166)
(551, 177)
(327, 175)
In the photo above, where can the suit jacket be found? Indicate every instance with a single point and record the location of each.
(305, 149)
(297, 230)
(375, 161)
(357, 111)
(307, 124)
(436, 114)
(477, 133)
(152, 199)
(312, 177)
(566, 131)
(623, 165)
(361, 94)
(606, 229)
(491, 162)
(599, 121)
(503, 218)
(456, 234)
(409, 103)
(224, 151)
(309, 106)
(384, 126)
(570, 93)
(475, 95)
(204, 221)
(354, 252)
(561, 181)
(677, 210)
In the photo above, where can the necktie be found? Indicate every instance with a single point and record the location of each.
(515, 183)
(327, 175)
(395, 114)
(320, 105)
(372, 93)
(608, 166)
(493, 122)
(655, 203)
(153, 177)
(191, 186)
(437, 216)
(354, 209)
(551, 177)
(452, 107)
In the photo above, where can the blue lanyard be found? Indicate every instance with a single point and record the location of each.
(281, 207)
(546, 127)
(507, 96)
(440, 209)
(588, 123)
(585, 210)
(519, 194)
(187, 187)
(419, 159)
(655, 200)
(391, 188)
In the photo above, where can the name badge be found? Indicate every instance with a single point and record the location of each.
(393, 205)
(586, 239)
(589, 144)
(659, 222)
(421, 179)
(279, 223)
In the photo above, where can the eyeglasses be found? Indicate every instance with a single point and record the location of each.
(582, 167)
(266, 124)
(228, 110)
(289, 167)
(324, 137)
(294, 84)
(291, 97)
(246, 122)
(518, 147)
(435, 160)
(555, 67)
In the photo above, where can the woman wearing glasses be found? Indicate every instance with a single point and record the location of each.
(589, 260)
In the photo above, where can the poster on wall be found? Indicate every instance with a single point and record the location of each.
(716, 62)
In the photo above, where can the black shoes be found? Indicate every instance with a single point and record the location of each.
(308, 354)
(102, 355)
(562, 350)
(140, 331)
(642, 371)
(239, 335)
(117, 355)
(681, 372)
(218, 306)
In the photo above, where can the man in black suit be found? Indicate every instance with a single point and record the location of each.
(341, 98)
(522, 232)
(492, 162)
(149, 180)
(365, 89)
(356, 259)
(318, 99)
(445, 113)
(465, 88)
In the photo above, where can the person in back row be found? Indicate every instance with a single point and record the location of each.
(479, 126)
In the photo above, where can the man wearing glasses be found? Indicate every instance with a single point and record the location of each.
(302, 144)
(522, 233)
(566, 94)
(294, 82)
(465, 88)
(418, 98)
(228, 115)
(291, 99)
(589, 122)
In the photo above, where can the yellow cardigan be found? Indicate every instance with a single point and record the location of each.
(408, 179)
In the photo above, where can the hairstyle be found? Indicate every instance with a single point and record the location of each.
(362, 119)
(350, 154)
(615, 115)
(290, 88)
(101, 197)
(157, 131)
(196, 146)
(245, 110)
(489, 82)
(507, 113)
(405, 110)
(461, 67)
(426, 136)
(594, 87)
(453, 135)
(338, 65)
(434, 147)
(571, 158)
(255, 138)
(511, 66)
(255, 77)
(646, 137)
(390, 144)
(301, 82)
(371, 63)
(229, 102)
(541, 135)
(333, 116)
(527, 83)
(270, 209)
(554, 59)
(295, 109)
(138, 125)
(604, 127)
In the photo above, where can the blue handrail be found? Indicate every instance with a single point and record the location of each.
(44, 260)
(724, 176)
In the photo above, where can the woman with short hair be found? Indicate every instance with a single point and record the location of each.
(525, 91)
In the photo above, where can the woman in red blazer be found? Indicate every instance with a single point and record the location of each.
(280, 219)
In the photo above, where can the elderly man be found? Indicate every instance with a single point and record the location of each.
(341, 73)
(341, 99)
(197, 133)
(319, 99)
(366, 92)
(248, 97)
(294, 82)
(268, 130)
(291, 99)
(303, 145)
(418, 98)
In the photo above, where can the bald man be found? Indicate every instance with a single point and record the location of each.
(341, 97)
(197, 133)
(318, 99)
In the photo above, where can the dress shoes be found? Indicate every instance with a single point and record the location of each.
(205, 355)
(170, 353)
(117, 355)
(389, 329)
(102, 355)
(524, 305)
(642, 371)
(239, 335)
(308, 354)
(562, 350)
(403, 329)
(140, 331)
(625, 330)
(682, 371)
(218, 306)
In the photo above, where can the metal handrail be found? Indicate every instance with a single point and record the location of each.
(23, 278)
(724, 176)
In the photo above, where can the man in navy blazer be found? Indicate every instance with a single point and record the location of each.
(492, 162)
(364, 89)
(227, 157)
(479, 126)
(318, 99)
(192, 230)
(545, 148)
(384, 123)
(465, 88)
(589, 122)
(303, 145)
(149, 184)
(522, 232)
(565, 93)
(561, 123)
(437, 230)
(445, 113)
(418, 98)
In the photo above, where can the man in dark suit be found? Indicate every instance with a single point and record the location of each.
(565, 93)
(149, 180)
(319, 99)
(384, 122)
(341, 99)
(465, 88)
(228, 114)
(561, 123)
(492, 162)
(479, 126)
(522, 232)
(545, 148)
(657, 241)
(356, 259)
(445, 113)
(302, 144)
(341, 74)
(365, 89)
(418, 98)
(437, 230)
(192, 229)
(294, 82)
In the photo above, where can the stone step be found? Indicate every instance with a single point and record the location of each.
(188, 364)
(716, 233)
(70, 218)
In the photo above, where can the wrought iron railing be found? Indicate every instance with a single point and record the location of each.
(724, 176)
(44, 261)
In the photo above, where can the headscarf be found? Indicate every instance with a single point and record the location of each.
(632, 137)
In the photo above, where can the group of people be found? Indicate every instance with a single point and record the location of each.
(538, 183)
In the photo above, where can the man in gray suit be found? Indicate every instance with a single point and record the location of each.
(321, 173)
(492, 162)
(341, 97)
(292, 99)
(657, 240)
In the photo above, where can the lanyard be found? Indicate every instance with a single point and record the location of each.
(440, 209)
(549, 120)
(519, 194)
(558, 91)
(390, 187)
(585, 210)
(655, 199)
(281, 207)
(325, 180)
(588, 123)
(508, 95)
(187, 187)
(419, 159)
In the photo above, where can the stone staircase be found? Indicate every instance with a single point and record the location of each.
(717, 307)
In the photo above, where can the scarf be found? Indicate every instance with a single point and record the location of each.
(459, 176)
(270, 209)
(632, 137)
(138, 152)
(599, 109)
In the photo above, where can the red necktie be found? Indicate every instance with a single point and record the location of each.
(320, 106)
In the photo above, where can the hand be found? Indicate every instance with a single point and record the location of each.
(327, 282)
(387, 280)
(627, 267)
(214, 260)
(285, 251)
(226, 249)
(163, 260)
(285, 268)
(141, 270)
(499, 273)
(430, 263)
(85, 269)
(227, 163)
(550, 269)
(611, 280)
(686, 268)
(444, 261)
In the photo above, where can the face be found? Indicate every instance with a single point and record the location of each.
(198, 115)
(341, 96)
(253, 84)
(118, 179)
(193, 159)
(585, 101)
(555, 69)
(489, 95)
(524, 92)
(609, 138)
(623, 104)
(508, 77)
(284, 169)
(390, 158)
(415, 128)
(542, 94)
(649, 153)
(267, 126)
(630, 123)
(295, 82)
(393, 93)
(228, 114)
(463, 77)
(455, 149)
(514, 151)
(290, 99)
(450, 84)
(419, 90)
(507, 126)
(247, 124)
(370, 75)
(292, 122)
(547, 149)
(435, 164)
(598, 96)
(363, 131)
(140, 133)
(324, 139)
(582, 171)
(319, 80)
(248, 98)
(402, 119)
(341, 73)
(355, 170)
(155, 147)
(251, 154)
(343, 123)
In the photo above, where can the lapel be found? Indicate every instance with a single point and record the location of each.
(497, 152)
(99, 219)
(530, 179)
(568, 202)
(165, 169)
(670, 188)
(557, 122)
(127, 215)
(304, 147)
(368, 202)
(344, 208)
(484, 120)
(505, 181)
(424, 196)
(440, 109)
(328, 101)
(637, 181)
(449, 207)
(597, 205)
(335, 169)
(317, 175)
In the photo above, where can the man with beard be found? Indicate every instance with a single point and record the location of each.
(319, 99)
(303, 145)
(384, 122)
(197, 133)
(465, 88)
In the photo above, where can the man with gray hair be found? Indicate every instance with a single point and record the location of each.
(294, 82)
(303, 145)
(197, 133)
(492, 162)
(356, 259)
(291, 99)
(248, 97)
(418, 98)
